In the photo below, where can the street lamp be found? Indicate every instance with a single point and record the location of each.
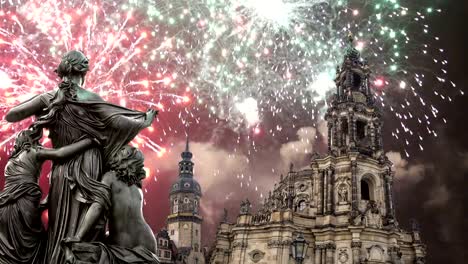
(299, 248)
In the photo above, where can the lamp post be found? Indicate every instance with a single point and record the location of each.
(299, 248)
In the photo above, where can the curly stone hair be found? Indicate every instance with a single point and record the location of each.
(25, 140)
(128, 165)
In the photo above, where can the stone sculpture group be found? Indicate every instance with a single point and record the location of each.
(95, 201)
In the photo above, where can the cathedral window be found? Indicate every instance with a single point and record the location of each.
(302, 205)
(186, 200)
(361, 130)
(167, 254)
(172, 232)
(356, 81)
(365, 190)
(196, 247)
(344, 132)
(187, 185)
(196, 232)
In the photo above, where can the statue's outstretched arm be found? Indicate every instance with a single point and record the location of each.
(26, 109)
(67, 151)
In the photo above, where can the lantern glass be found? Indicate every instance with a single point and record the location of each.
(293, 250)
(300, 248)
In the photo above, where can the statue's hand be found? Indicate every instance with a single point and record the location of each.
(150, 115)
(44, 204)
(70, 240)
(97, 142)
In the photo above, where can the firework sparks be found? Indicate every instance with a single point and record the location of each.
(245, 63)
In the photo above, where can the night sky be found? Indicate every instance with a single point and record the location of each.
(429, 186)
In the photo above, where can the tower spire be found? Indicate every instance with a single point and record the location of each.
(354, 122)
(187, 144)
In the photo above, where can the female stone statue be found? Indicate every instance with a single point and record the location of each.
(70, 113)
(21, 231)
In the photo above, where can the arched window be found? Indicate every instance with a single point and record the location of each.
(356, 81)
(186, 200)
(360, 130)
(365, 190)
(302, 205)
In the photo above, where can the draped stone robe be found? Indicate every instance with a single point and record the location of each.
(75, 183)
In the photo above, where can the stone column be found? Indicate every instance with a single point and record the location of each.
(339, 142)
(330, 135)
(324, 255)
(352, 139)
(329, 190)
(320, 192)
(354, 202)
(330, 249)
(318, 254)
(379, 135)
(372, 136)
(356, 248)
(350, 130)
(325, 191)
(388, 177)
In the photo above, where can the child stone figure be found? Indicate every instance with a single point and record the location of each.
(21, 231)
(130, 238)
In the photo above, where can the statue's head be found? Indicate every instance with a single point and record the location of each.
(128, 165)
(26, 139)
(74, 64)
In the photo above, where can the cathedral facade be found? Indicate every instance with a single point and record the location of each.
(184, 220)
(342, 204)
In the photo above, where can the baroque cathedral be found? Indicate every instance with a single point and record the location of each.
(342, 205)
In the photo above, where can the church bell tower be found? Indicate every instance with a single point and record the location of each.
(184, 220)
(355, 131)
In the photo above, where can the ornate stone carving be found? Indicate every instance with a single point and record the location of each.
(239, 244)
(303, 187)
(343, 255)
(420, 260)
(245, 207)
(342, 193)
(256, 255)
(356, 244)
(330, 246)
(262, 217)
(278, 243)
(370, 217)
(395, 255)
(375, 253)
